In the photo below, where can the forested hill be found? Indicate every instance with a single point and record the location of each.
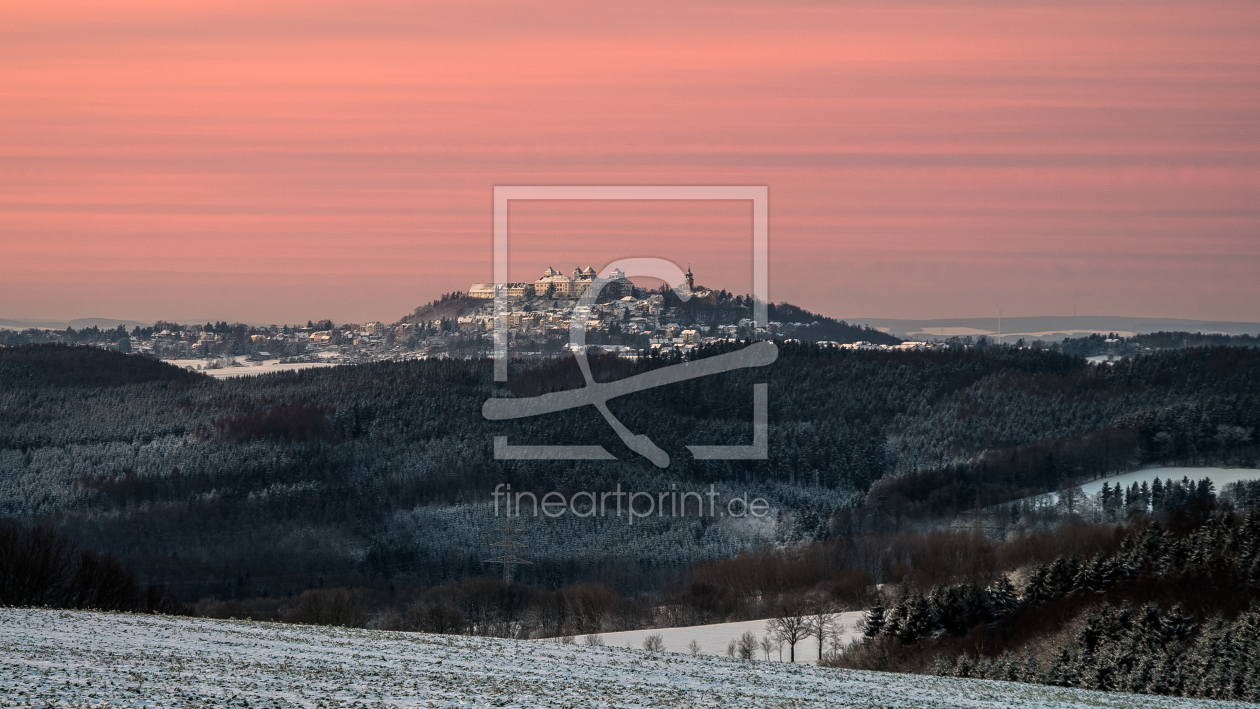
(384, 470)
(449, 307)
(804, 325)
(789, 321)
(65, 365)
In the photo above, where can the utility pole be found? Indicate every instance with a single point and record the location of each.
(978, 522)
(975, 522)
(508, 558)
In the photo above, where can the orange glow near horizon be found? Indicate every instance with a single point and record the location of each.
(284, 162)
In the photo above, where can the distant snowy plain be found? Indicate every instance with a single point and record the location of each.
(86, 659)
(245, 368)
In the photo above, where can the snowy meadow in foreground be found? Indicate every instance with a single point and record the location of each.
(83, 659)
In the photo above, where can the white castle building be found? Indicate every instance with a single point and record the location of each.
(554, 284)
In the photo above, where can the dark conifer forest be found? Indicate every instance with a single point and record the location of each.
(383, 471)
(1165, 608)
(362, 495)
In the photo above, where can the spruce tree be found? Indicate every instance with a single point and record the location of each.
(1063, 670)
(873, 621)
(1035, 591)
(1089, 579)
(1002, 598)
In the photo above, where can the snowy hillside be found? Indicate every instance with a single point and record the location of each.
(713, 639)
(58, 658)
(1220, 477)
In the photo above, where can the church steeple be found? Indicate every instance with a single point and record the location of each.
(691, 281)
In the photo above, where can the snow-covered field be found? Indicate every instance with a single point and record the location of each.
(83, 659)
(713, 639)
(244, 368)
(1220, 477)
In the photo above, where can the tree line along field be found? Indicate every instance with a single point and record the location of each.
(381, 473)
(1160, 605)
(63, 658)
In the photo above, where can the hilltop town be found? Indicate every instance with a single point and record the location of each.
(629, 320)
(625, 319)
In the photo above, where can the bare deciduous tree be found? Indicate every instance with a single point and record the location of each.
(821, 624)
(837, 640)
(654, 643)
(694, 648)
(1071, 498)
(792, 626)
(746, 646)
(767, 645)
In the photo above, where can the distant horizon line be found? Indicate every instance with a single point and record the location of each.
(956, 321)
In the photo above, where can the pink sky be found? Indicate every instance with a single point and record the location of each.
(272, 162)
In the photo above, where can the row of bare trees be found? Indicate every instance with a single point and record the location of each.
(797, 620)
(39, 567)
(800, 619)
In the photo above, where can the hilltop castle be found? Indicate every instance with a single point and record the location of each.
(554, 284)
